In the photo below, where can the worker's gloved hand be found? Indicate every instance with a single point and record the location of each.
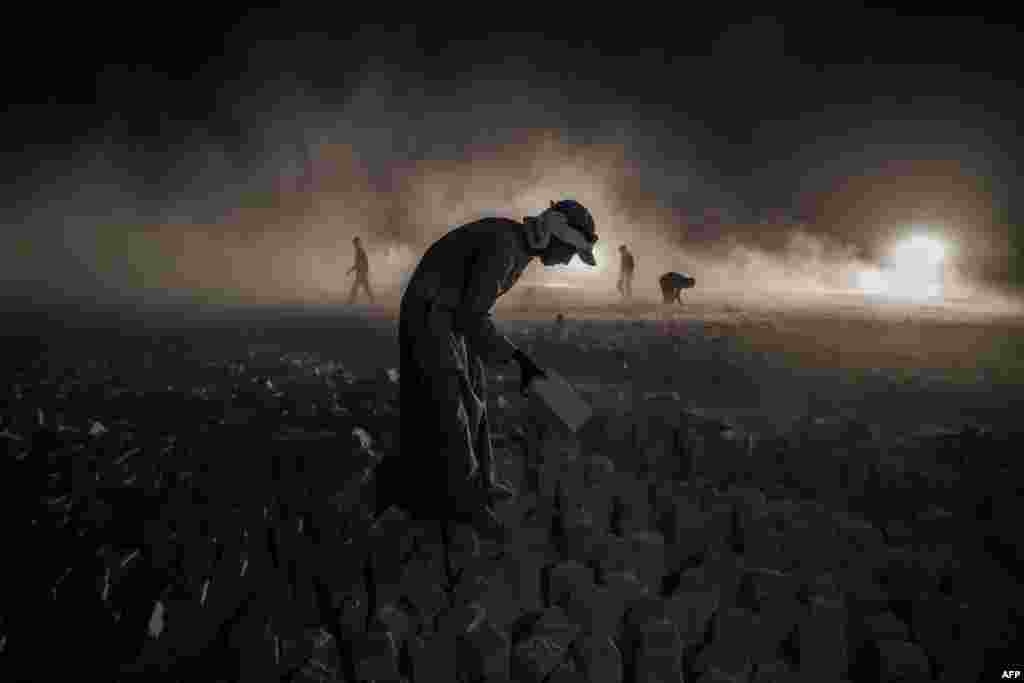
(528, 369)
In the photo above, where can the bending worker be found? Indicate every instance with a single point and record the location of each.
(672, 284)
(445, 468)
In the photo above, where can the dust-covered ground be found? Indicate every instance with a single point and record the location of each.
(759, 359)
(159, 416)
(763, 358)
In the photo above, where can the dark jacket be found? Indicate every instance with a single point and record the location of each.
(465, 272)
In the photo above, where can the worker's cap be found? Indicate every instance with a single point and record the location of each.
(578, 229)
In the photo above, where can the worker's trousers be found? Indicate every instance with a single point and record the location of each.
(625, 285)
(445, 435)
(362, 279)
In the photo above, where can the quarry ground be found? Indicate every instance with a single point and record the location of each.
(761, 362)
(764, 365)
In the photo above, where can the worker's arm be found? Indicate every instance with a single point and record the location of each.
(473, 316)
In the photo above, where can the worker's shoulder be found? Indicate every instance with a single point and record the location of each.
(493, 229)
(493, 224)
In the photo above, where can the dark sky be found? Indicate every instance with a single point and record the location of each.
(756, 114)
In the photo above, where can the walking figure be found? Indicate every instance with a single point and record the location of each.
(362, 270)
(626, 270)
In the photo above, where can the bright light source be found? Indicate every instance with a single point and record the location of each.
(913, 284)
(872, 282)
(915, 271)
(919, 251)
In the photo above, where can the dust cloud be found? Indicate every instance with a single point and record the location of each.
(270, 216)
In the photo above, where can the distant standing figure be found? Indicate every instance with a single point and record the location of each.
(362, 270)
(672, 285)
(628, 267)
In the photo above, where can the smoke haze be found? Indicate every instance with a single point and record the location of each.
(264, 209)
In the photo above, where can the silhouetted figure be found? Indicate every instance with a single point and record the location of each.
(626, 270)
(445, 467)
(672, 285)
(362, 270)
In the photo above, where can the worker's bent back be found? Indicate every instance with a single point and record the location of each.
(673, 283)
